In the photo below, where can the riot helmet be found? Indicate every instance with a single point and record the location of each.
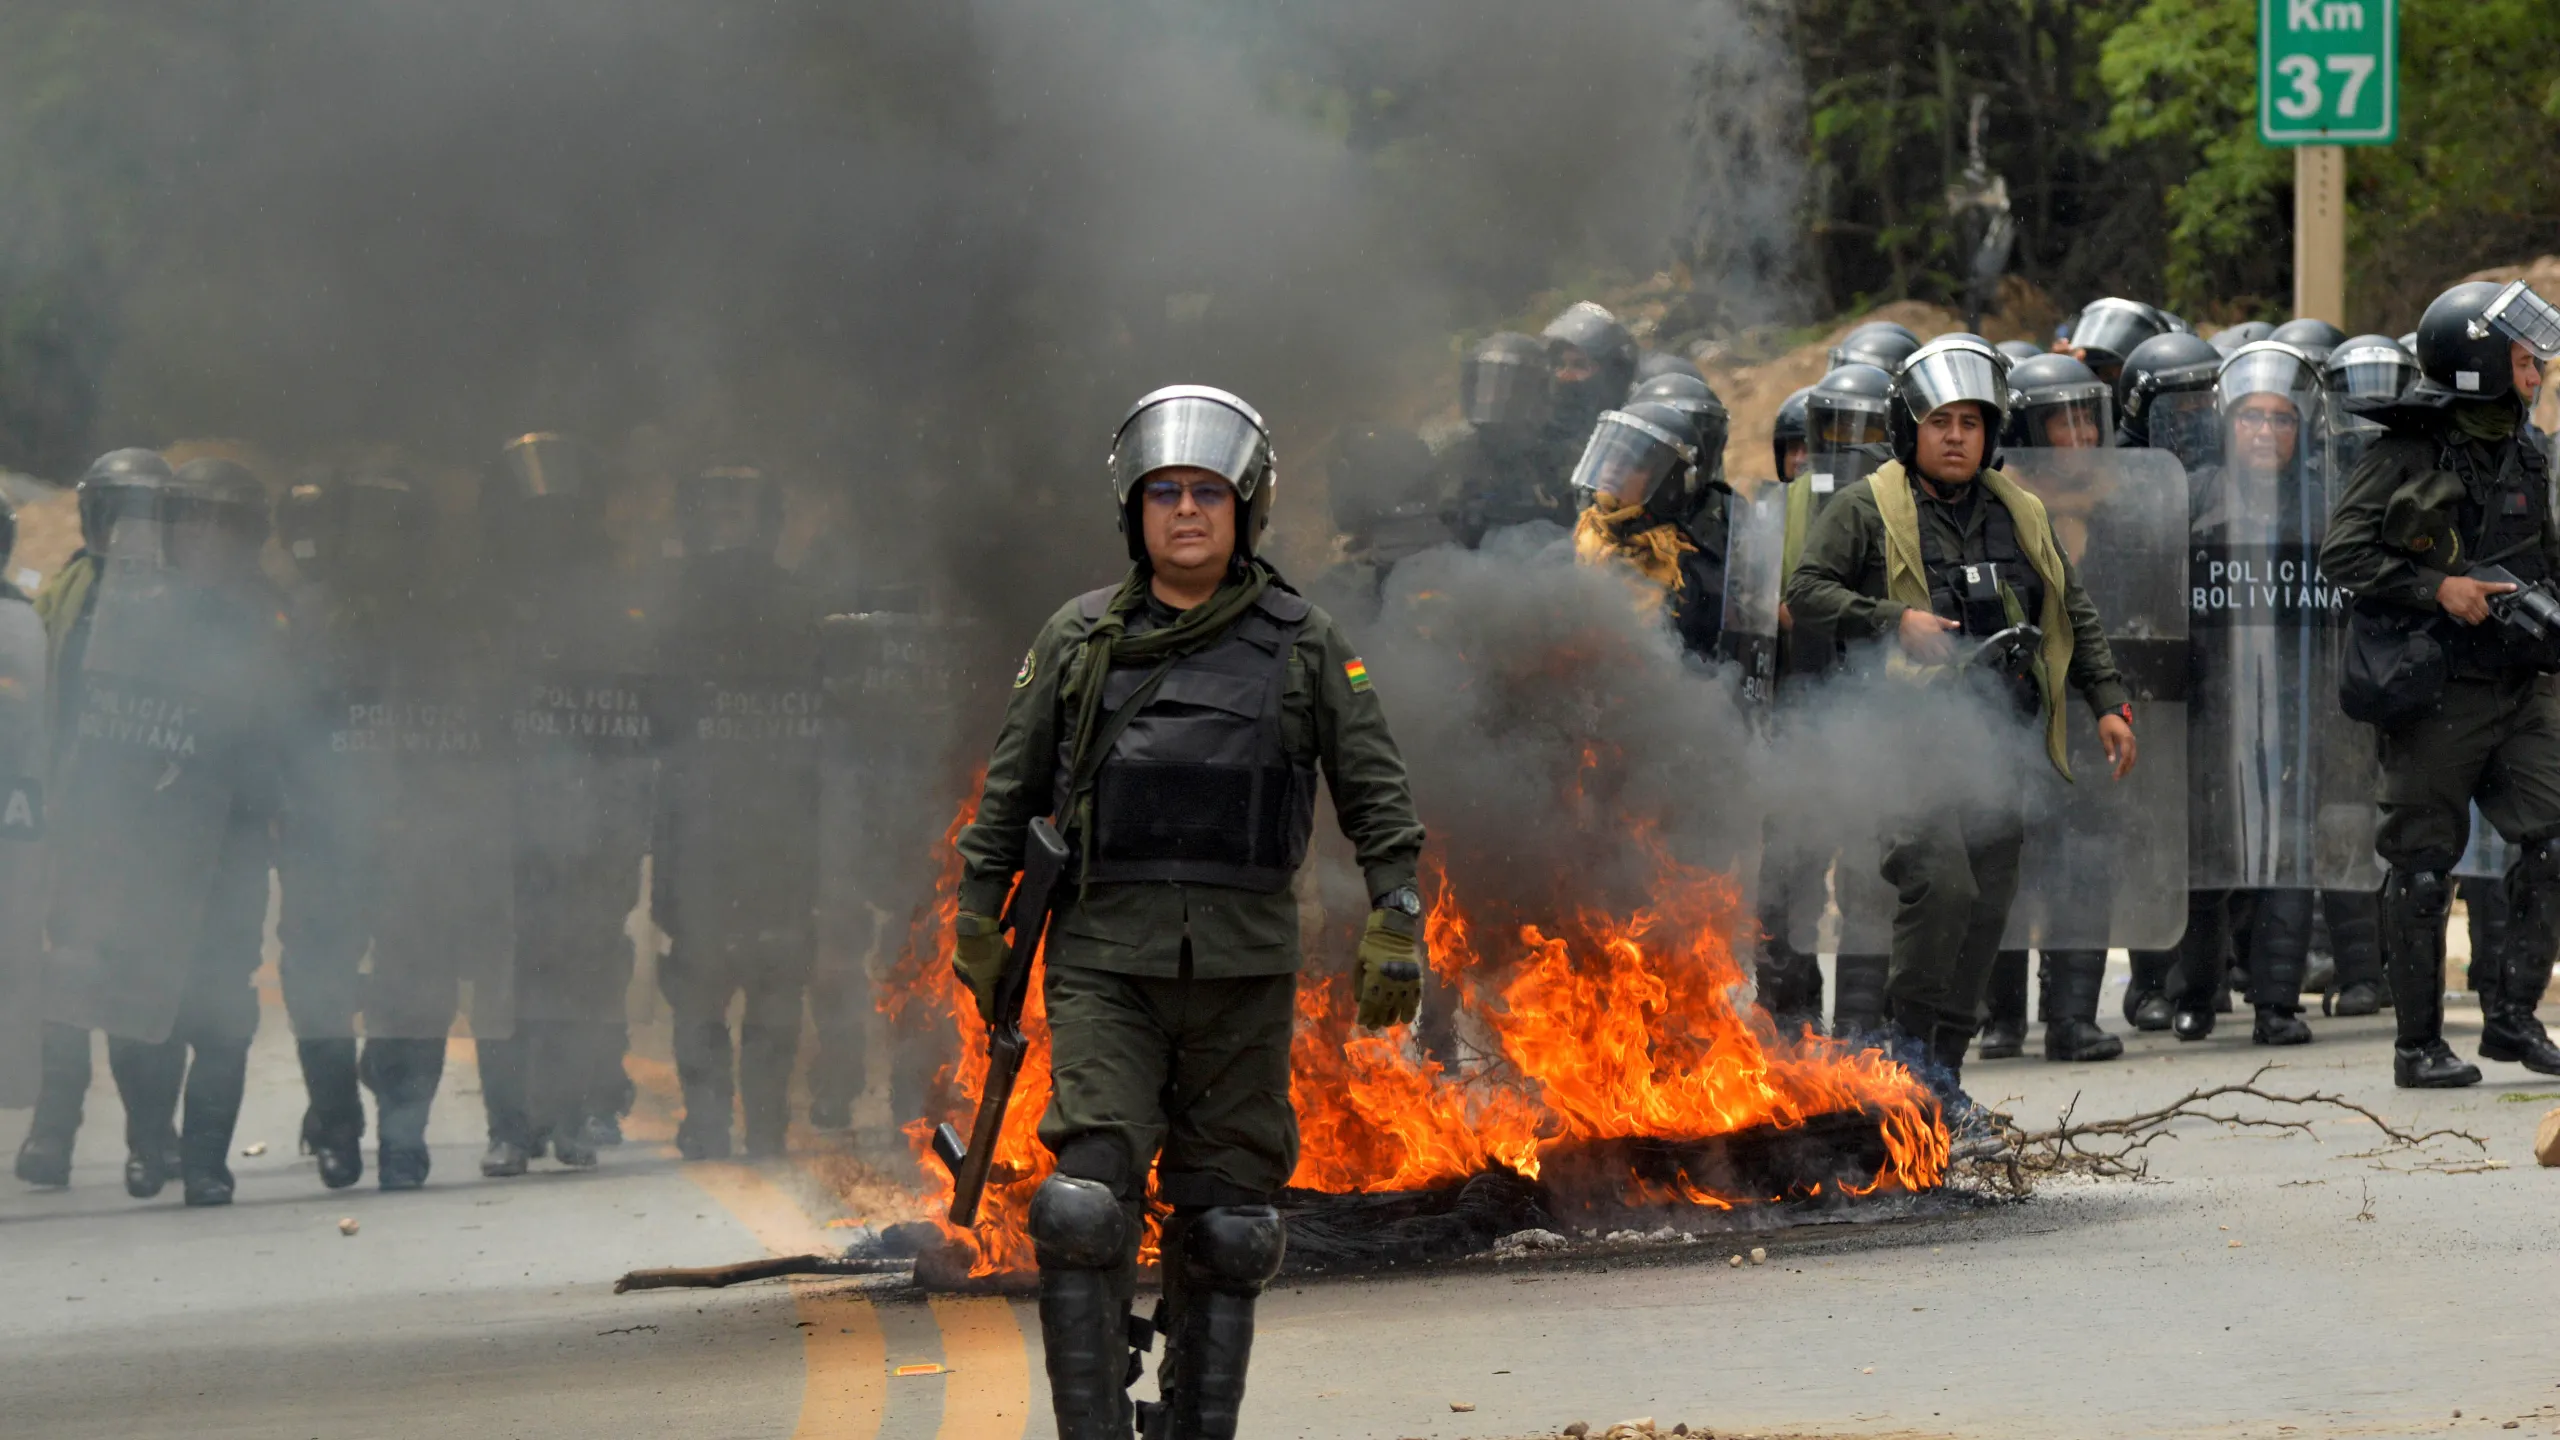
(1654, 364)
(2267, 394)
(2109, 330)
(2057, 403)
(2371, 365)
(214, 514)
(2021, 350)
(2247, 332)
(2176, 322)
(1591, 355)
(1504, 384)
(2315, 338)
(1194, 427)
(548, 503)
(1645, 454)
(1949, 370)
(729, 509)
(365, 526)
(120, 483)
(2463, 338)
(1849, 408)
(1881, 343)
(1789, 429)
(2164, 397)
(1695, 398)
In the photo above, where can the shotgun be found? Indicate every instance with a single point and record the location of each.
(1026, 920)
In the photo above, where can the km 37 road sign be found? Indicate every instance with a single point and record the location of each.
(2327, 72)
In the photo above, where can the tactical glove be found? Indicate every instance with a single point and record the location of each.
(978, 955)
(1390, 971)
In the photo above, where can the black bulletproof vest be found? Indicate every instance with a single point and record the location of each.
(1966, 589)
(2505, 507)
(1198, 787)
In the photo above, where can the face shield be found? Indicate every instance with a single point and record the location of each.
(2108, 331)
(1631, 461)
(2266, 396)
(2068, 417)
(2372, 371)
(1945, 372)
(2524, 317)
(1191, 427)
(129, 523)
(1845, 422)
(1503, 383)
(212, 535)
(2187, 424)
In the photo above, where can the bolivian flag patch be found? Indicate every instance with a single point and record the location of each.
(1356, 671)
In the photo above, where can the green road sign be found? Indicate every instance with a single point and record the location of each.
(2328, 72)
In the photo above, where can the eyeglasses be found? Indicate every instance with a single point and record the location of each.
(2262, 420)
(1205, 494)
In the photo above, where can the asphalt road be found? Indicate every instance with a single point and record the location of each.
(2264, 1284)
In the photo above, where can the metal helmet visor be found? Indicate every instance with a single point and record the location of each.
(2068, 417)
(2268, 394)
(2113, 327)
(2382, 371)
(2524, 317)
(1944, 374)
(1504, 385)
(1630, 460)
(1190, 430)
(2187, 424)
(1841, 422)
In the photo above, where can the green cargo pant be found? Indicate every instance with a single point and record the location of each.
(1954, 877)
(2494, 741)
(1191, 1075)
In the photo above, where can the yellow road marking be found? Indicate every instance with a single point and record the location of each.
(988, 1396)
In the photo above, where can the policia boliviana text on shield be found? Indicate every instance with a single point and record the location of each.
(1174, 725)
(1913, 540)
(2445, 536)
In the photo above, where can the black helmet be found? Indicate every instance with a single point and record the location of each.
(2315, 338)
(2165, 366)
(2046, 391)
(2177, 323)
(1504, 381)
(2247, 332)
(1194, 427)
(2370, 365)
(116, 478)
(1644, 454)
(729, 508)
(1693, 396)
(1597, 334)
(1384, 475)
(364, 525)
(1788, 429)
(1951, 369)
(213, 508)
(2463, 337)
(1881, 343)
(2108, 331)
(1848, 408)
(1652, 364)
(2018, 350)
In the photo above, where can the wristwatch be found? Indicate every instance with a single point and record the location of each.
(1404, 900)
(2124, 713)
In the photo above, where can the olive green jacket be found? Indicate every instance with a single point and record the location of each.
(1329, 714)
(2401, 552)
(1841, 581)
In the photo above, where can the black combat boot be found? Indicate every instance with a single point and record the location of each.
(2004, 1026)
(2202, 975)
(2413, 916)
(2355, 937)
(2146, 995)
(148, 1078)
(2509, 1030)
(1857, 1007)
(765, 1057)
(2072, 982)
(2279, 948)
(703, 1133)
(333, 1126)
(1227, 1254)
(62, 1092)
(402, 1074)
(215, 1083)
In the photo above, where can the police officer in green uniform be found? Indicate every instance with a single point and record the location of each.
(2454, 483)
(1174, 725)
(1917, 555)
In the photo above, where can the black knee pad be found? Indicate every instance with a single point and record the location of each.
(1235, 1248)
(1078, 1225)
(2427, 893)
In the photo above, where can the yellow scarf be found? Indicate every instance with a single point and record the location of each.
(1906, 581)
(1654, 551)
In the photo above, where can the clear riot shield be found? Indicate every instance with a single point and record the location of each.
(443, 916)
(2283, 783)
(143, 798)
(22, 851)
(1754, 562)
(2186, 424)
(2105, 864)
(585, 729)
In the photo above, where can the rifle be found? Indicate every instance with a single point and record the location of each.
(2529, 614)
(1026, 919)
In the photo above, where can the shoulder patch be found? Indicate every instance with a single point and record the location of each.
(1030, 665)
(1356, 671)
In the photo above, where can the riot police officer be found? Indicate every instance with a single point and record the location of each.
(1640, 481)
(2164, 398)
(1171, 968)
(2108, 330)
(1907, 556)
(1787, 436)
(2456, 484)
(1386, 504)
(1496, 467)
(733, 861)
(1711, 497)
(1591, 364)
(120, 481)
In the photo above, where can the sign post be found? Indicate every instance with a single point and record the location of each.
(2328, 77)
